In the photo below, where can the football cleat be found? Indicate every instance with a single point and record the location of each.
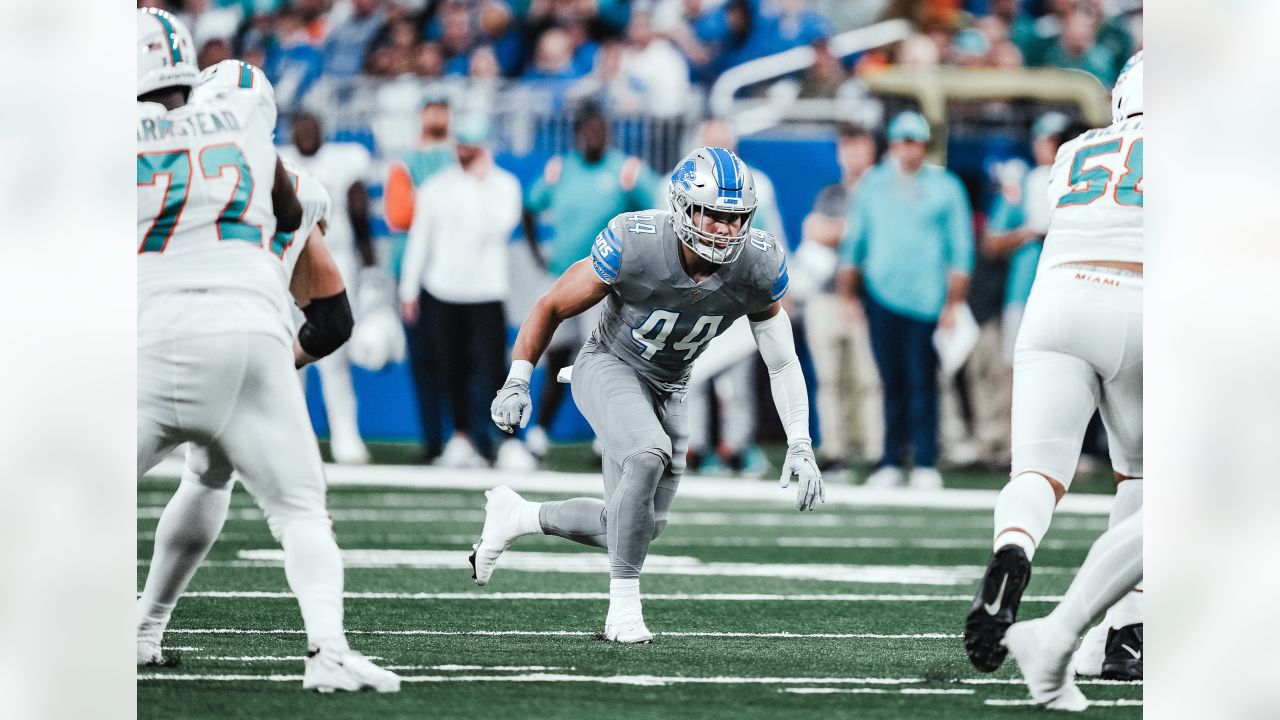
(1043, 655)
(150, 655)
(330, 669)
(626, 628)
(1124, 654)
(1087, 660)
(995, 607)
(501, 528)
(885, 476)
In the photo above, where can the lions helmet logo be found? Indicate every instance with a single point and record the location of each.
(685, 174)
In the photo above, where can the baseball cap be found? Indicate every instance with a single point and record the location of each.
(908, 125)
(471, 130)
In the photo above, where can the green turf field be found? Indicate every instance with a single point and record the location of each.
(759, 612)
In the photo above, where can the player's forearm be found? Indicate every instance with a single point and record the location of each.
(535, 333)
(957, 286)
(786, 380)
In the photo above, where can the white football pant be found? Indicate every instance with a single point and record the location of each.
(1079, 348)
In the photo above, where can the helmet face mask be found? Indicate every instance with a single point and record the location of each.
(712, 182)
(166, 52)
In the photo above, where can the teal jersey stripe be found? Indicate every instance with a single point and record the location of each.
(246, 76)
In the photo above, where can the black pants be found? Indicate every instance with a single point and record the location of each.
(470, 347)
(426, 376)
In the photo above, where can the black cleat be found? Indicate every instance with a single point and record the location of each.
(995, 607)
(1124, 654)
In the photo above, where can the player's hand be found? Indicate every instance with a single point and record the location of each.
(512, 406)
(801, 463)
(409, 311)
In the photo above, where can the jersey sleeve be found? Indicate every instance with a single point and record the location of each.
(606, 253)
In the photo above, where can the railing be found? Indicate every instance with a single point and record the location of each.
(789, 61)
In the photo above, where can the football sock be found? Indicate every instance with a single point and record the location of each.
(1112, 568)
(1023, 511)
(578, 519)
(1127, 610)
(313, 567)
(528, 518)
(624, 595)
(188, 526)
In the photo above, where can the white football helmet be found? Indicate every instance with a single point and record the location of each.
(1126, 96)
(236, 76)
(716, 180)
(166, 52)
(378, 337)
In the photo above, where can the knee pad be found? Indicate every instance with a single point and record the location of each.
(648, 463)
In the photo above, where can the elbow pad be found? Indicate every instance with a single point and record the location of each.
(328, 325)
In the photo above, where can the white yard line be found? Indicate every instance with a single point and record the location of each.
(252, 658)
(679, 597)
(692, 487)
(589, 562)
(473, 668)
(578, 633)
(644, 680)
(1018, 681)
(1092, 703)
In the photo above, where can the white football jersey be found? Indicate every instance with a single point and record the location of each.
(336, 166)
(205, 217)
(1095, 192)
(315, 207)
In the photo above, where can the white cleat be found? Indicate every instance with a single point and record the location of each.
(330, 669)
(515, 457)
(924, 478)
(1044, 657)
(149, 653)
(626, 628)
(348, 450)
(502, 512)
(459, 454)
(1087, 660)
(887, 476)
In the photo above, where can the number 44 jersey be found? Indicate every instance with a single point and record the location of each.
(1095, 192)
(205, 217)
(657, 319)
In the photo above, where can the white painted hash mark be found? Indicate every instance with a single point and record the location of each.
(1092, 703)
(680, 597)
(644, 680)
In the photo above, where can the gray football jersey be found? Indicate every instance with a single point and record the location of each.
(657, 319)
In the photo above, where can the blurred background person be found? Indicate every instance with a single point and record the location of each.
(433, 152)
(455, 270)
(850, 408)
(581, 190)
(342, 168)
(909, 245)
(731, 391)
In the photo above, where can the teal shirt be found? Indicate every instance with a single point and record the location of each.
(584, 200)
(905, 234)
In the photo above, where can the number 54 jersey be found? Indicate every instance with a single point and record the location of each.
(657, 319)
(205, 216)
(1095, 192)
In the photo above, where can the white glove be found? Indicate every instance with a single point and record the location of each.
(800, 462)
(512, 406)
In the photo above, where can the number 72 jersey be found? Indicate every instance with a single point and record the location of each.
(205, 217)
(1095, 192)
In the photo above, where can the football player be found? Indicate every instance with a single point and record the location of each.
(671, 281)
(1079, 349)
(215, 335)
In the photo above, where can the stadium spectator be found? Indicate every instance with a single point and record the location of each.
(348, 44)
(293, 60)
(795, 23)
(850, 410)
(455, 271)
(213, 52)
(910, 243)
(824, 78)
(1077, 47)
(655, 68)
(607, 86)
(432, 154)
(583, 189)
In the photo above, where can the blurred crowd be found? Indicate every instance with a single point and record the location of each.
(637, 55)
